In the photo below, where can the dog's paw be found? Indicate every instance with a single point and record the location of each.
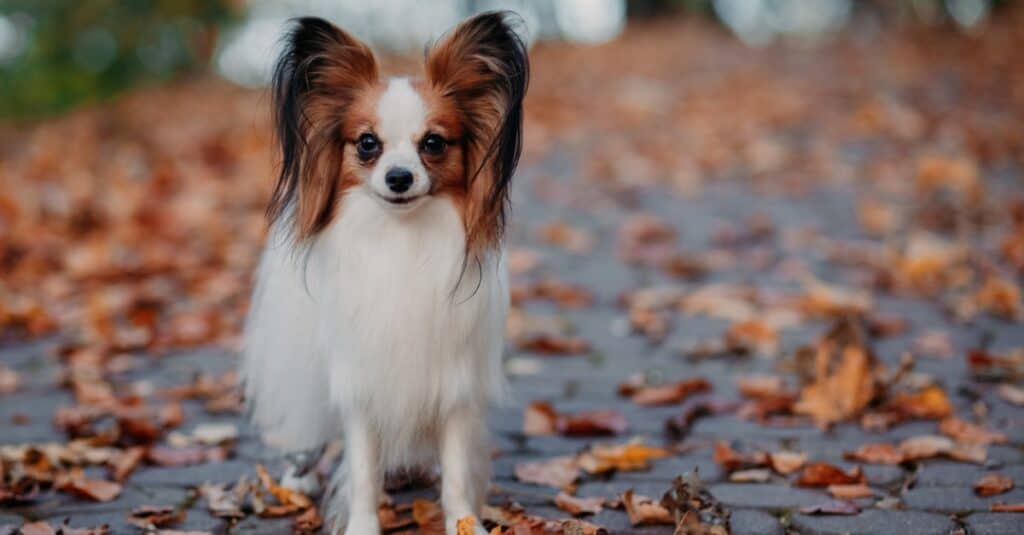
(308, 484)
(467, 525)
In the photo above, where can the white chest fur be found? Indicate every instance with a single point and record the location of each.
(383, 317)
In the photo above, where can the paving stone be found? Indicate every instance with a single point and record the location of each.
(753, 522)
(995, 523)
(731, 427)
(189, 476)
(253, 525)
(874, 522)
(944, 473)
(765, 496)
(117, 521)
(956, 499)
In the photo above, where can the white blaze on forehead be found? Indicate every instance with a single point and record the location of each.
(402, 113)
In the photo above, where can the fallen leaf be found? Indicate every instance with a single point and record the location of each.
(643, 510)
(125, 462)
(539, 418)
(553, 344)
(466, 525)
(557, 472)
(579, 506)
(428, 515)
(930, 446)
(283, 494)
(731, 459)
(309, 522)
(850, 492)
(786, 462)
(155, 516)
(10, 380)
(670, 393)
(593, 423)
(96, 490)
(696, 511)
(992, 484)
(825, 474)
(571, 238)
(876, 453)
(1011, 393)
(840, 390)
(967, 433)
(633, 455)
(1007, 507)
(753, 475)
(929, 403)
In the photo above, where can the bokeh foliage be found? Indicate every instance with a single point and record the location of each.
(83, 50)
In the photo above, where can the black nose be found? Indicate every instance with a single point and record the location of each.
(398, 179)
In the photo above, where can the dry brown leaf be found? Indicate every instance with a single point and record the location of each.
(553, 344)
(928, 403)
(992, 484)
(428, 515)
(309, 522)
(466, 525)
(731, 459)
(1011, 393)
(633, 455)
(579, 506)
(539, 418)
(155, 516)
(840, 390)
(569, 237)
(125, 462)
(557, 472)
(967, 433)
(930, 446)
(753, 475)
(825, 474)
(850, 491)
(643, 510)
(877, 453)
(283, 495)
(10, 380)
(96, 490)
(786, 462)
(670, 393)
(1007, 508)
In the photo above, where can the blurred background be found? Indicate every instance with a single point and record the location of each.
(56, 54)
(136, 159)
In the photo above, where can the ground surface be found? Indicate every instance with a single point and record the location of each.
(686, 209)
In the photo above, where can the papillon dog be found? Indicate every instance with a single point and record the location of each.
(379, 307)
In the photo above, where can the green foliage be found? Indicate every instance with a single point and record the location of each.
(84, 50)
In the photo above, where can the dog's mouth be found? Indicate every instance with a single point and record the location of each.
(401, 202)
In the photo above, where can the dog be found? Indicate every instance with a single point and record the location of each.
(380, 301)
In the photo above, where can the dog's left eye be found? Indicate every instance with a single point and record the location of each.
(433, 144)
(367, 146)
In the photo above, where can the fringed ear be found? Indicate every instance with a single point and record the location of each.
(483, 68)
(319, 74)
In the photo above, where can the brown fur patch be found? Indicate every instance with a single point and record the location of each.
(325, 81)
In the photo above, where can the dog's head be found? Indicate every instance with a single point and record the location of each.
(453, 131)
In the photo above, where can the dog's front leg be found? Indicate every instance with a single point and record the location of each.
(362, 480)
(465, 466)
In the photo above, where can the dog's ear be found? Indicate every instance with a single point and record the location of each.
(482, 67)
(319, 74)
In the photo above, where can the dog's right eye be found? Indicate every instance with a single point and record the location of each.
(367, 146)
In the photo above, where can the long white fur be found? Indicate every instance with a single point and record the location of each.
(382, 331)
